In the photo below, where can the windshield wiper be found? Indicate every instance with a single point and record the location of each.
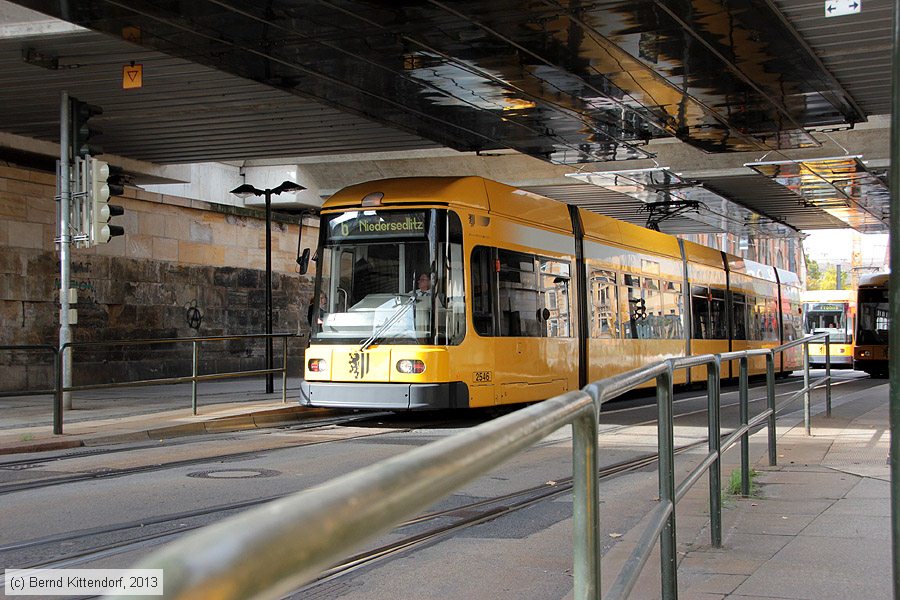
(398, 312)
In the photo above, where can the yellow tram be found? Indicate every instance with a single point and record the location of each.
(873, 324)
(833, 312)
(454, 292)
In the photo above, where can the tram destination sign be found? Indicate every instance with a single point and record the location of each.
(372, 225)
(825, 307)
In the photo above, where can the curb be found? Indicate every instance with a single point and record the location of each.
(254, 420)
(46, 446)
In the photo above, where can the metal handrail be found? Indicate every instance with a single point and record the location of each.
(195, 376)
(272, 550)
(59, 389)
(662, 521)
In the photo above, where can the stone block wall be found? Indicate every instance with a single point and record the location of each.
(175, 254)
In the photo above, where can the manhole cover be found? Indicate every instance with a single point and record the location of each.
(234, 473)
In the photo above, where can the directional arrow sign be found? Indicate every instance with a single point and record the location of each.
(839, 8)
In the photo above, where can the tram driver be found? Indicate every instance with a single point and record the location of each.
(423, 284)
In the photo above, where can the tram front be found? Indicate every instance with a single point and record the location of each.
(389, 304)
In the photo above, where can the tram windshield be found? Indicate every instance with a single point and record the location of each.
(827, 317)
(390, 277)
(874, 315)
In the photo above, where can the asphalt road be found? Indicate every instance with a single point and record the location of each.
(108, 507)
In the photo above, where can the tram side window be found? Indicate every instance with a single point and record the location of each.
(555, 288)
(604, 322)
(771, 320)
(752, 333)
(671, 326)
(640, 305)
(739, 316)
(700, 312)
(791, 320)
(874, 316)
(653, 303)
(718, 316)
(520, 297)
(758, 319)
(482, 280)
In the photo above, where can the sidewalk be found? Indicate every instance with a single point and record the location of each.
(819, 528)
(141, 413)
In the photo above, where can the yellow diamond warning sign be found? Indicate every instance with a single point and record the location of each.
(132, 76)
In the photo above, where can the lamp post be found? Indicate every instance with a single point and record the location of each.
(245, 191)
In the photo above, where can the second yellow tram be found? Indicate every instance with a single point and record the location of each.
(832, 312)
(453, 292)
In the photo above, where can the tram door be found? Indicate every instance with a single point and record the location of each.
(522, 311)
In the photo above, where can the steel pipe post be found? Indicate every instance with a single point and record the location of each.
(745, 439)
(806, 387)
(269, 379)
(666, 447)
(586, 502)
(57, 395)
(284, 370)
(894, 302)
(770, 404)
(65, 246)
(828, 375)
(195, 365)
(715, 446)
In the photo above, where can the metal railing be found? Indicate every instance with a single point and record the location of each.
(269, 551)
(662, 520)
(194, 378)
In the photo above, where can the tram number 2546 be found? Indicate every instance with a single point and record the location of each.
(482, 377)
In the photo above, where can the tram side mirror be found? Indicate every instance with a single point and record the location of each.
(543, 314)
(303, 261)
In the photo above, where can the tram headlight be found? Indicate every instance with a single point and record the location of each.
(317, 365)
(866, 354)
(410, 366)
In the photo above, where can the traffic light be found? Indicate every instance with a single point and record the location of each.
(82, 131)
(103, 185)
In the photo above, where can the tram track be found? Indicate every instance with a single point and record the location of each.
(460, 516)
(148, 468)
(101, 451)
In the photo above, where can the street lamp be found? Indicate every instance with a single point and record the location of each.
(245, 191)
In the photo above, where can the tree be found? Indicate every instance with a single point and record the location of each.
(819, 279)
